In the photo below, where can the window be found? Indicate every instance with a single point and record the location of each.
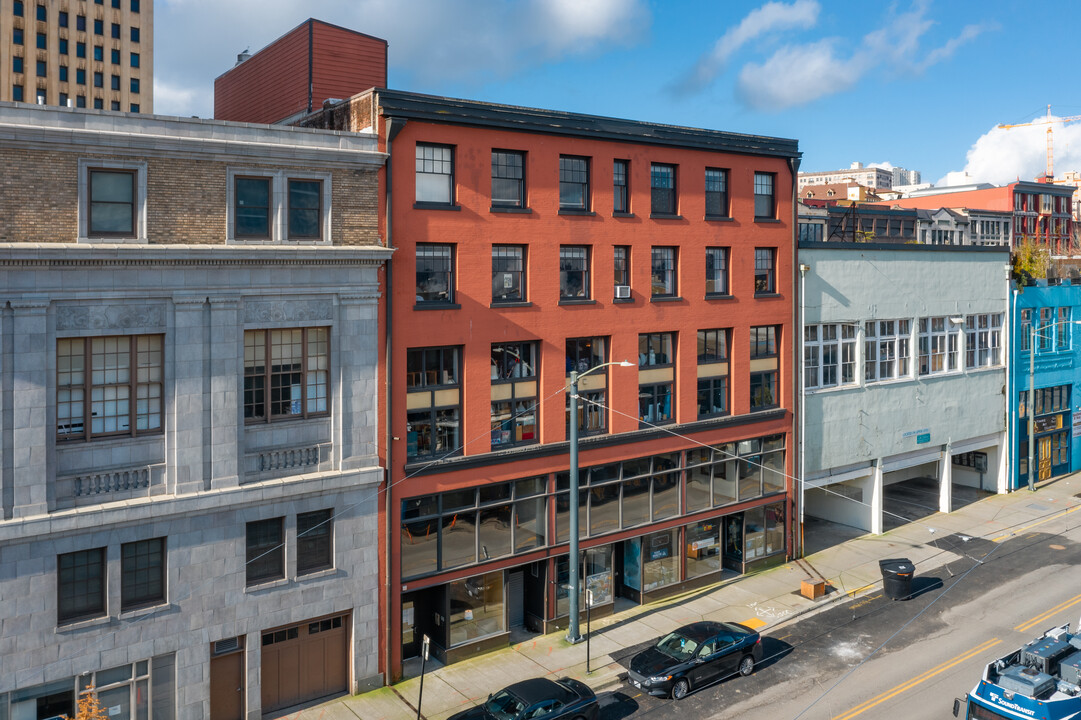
(1026, 329)
(1045, 332)
(508, 273)
(886, 349)
(811, 232)
(315, 535)
(135, 39)
(135, 6)
(134, 107)
(573, 273)
(114, 56)
(80, 585)
(98, 102)
(80, 101)
(42, 69)
(115, 31)
(1062, 330)
(142, 573)
(765, 278)
(134, 87)
(983, 340)
(17, 64)
(17, 93)
(829, 355)
(764, 373)
(108, 386)
(112, 202)
(433, 419)
(621, 262)
(716, 271)
(80, 23)
(114, 82)
(663, 272)
(716, 192)
(621, 200)
(573, 183)
(305, 205)
(114, 105)
(252, 207)
(99, 28)
(764, 203)
(63, 46)
(938, 346)
(17, 8)
(99, 81)
(514, 394)
(435, 174)
(508, 179)
(43, 14)
(435, 273)
(63, 96)
(265, 556)
(712, 373)
(63, 19)
(662, 189)
(294, 364)
(80, 50)
(656, 378)
(583, 354)
(42, 41)
(135, 60)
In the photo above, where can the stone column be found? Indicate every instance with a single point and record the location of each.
(876, 498)
(30, 389)
(945, 480)
(188, 452)
(226, 368)
(357, 396)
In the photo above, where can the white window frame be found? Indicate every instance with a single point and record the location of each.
(88, 164)
(894, 336)
(939, 337)
(279, 205)
(983, 340)
(828, 351)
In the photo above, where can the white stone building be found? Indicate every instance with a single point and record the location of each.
(188, 356)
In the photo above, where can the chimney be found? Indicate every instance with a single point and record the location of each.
(241, 57)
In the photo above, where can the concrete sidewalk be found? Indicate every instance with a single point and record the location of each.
(764, 601)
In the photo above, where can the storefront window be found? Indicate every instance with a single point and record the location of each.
(420, 547)
(750, 477)
(763, 531)
(660, 562)
(493, 532)
(123, 691)
(459, 539)
(603, 508)
(529, 522)
(595, 574)
(704, 547)
(665, 496)
(773, 475)
(476, 607)
(635, 501)
(724, 482)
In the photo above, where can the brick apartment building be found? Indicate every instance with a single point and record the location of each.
(78, 52)
(187, 356)
(529, 242)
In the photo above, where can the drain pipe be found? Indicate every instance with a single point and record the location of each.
(803, 268)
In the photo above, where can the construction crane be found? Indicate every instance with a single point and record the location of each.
(1050, 146)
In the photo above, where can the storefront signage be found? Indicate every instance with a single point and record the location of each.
(1048, 422)
(923, 438)
(921, 431)
(1077, 424)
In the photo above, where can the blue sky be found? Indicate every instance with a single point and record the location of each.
(920, 85)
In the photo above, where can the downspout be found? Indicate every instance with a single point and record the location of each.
(797, 402)
(802, 391)
(310, 61)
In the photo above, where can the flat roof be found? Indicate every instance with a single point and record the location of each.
(904, 247)
(432, 108)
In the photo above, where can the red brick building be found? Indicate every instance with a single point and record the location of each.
(293, 75)
(530, 242)
(1041, 211)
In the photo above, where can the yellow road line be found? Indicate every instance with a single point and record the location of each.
(853, 593)
(1018, 531)
(754, 623)
(909, 684)
(1043, 616)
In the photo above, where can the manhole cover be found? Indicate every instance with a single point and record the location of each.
(1057, 547)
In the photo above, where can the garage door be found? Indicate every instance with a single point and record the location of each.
(304, 662)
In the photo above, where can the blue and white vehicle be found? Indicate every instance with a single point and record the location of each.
(1039, 681)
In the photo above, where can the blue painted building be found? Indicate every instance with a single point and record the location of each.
(1055, 313)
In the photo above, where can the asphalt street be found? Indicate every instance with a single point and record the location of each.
(879, 658)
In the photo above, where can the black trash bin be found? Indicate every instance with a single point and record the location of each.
(897, 577)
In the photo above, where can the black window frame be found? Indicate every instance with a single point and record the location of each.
(765, 273)
(503, 259)
(708, 389)
(719, 276)
(653, 394)
(264, 560)
(621, 266)
(716, 339)
(508, 167)
(524, 354)
(716, 198)
(765, 203)
(428, 269)
(664, 272)
(574, 179)
(143, 573)
(567, 255)
(763, 390)
(621, 196)
(261, 179)
(440, 360)
(763, 341)
(296, 212)
(260, 390)
(664, 200)
(433, 161)
(651, 347)
(81, 584)
(315, 541)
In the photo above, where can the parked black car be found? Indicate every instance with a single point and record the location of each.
(537, 699)
(693, 656)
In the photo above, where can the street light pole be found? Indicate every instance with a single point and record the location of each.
(573, 634)
(1031, 400)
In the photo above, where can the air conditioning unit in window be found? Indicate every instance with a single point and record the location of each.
(623, 292)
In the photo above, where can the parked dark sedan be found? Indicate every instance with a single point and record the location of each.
(693, 656)
(537, 699)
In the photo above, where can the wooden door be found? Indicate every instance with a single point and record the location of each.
(1044, 445)
(227, 686)
(304, 662)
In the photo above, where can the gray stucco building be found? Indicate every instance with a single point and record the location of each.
(904, 369)
(188, 357)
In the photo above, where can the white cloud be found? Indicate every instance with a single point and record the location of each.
(1003, 155)
(771, 17)
(787, 78)
(431, 42)
(883, 165)
(176, 100)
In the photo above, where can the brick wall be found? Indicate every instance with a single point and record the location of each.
(186, 199)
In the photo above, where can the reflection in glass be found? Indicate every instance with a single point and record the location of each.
(703, 547)
(660, 563)
(476, 607)
(665, 496)
(494, 532)
(604, 508)
(459, 539)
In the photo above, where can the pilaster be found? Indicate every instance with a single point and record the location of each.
(225, 371)
(30, 388)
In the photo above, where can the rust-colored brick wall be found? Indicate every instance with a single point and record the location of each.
(186, 199)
